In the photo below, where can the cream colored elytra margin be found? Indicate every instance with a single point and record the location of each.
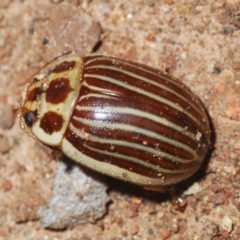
(65, 108)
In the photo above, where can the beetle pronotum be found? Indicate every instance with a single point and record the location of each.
(121, 118)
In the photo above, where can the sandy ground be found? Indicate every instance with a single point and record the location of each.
(196, 41)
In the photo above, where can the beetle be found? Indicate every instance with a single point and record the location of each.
(121, 118)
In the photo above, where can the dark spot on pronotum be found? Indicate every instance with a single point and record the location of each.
(58, 90)
(29, 118)
(64, 66)
(51, 122)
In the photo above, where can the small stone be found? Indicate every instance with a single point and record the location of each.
(190, 77)
(165, 234)
(160, 215)
(193, 189)
(184, 9)
(211, 66)
(85, 189)
(196, 237)
(150, 37)
(151, 231)
(227, 223)
(137, 200)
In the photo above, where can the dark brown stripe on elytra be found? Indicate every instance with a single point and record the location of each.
(51, 122)
(135, 82)
(131, 101)
(136, 138)
(148, 72)
(152, 74)
(138, 122)
(133, 120)
(63, 66)
(158, 91)
(132, 95)
(58, 90)
(80, 144)
(127, 136)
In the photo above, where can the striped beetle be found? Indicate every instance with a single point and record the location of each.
(120, 118)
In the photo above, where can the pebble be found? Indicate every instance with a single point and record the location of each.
(165, 234)
(193, 189)
(227, 223)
